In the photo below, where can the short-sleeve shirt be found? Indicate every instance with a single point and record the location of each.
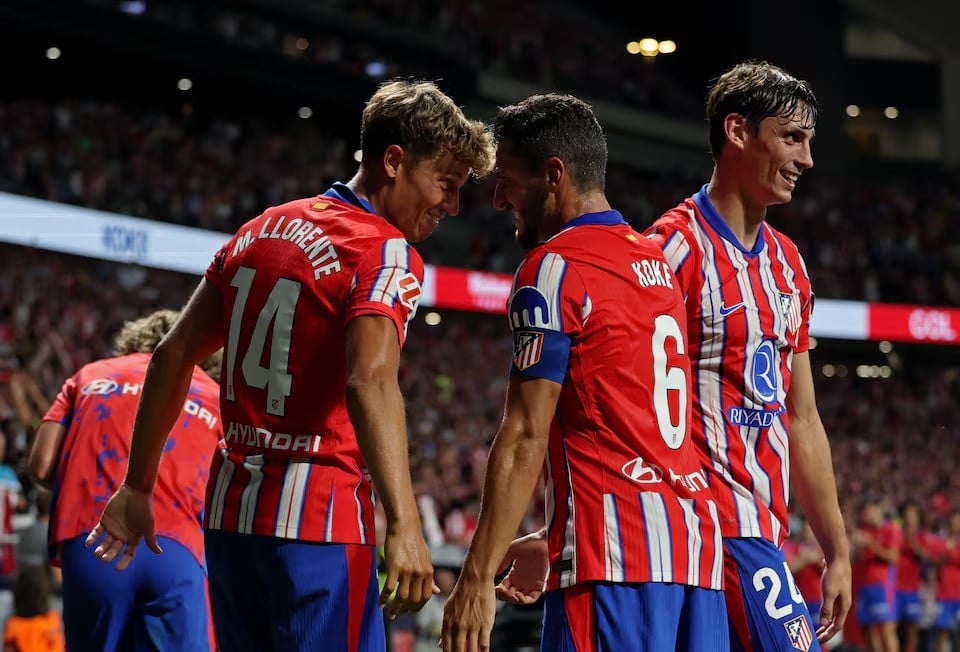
(597, 309)
(292, 279)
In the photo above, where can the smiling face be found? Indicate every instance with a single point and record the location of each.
(526, 194)
(423, 193)
(773, 157)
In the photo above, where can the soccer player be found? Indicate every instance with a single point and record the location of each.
(876, 544)
(598, 398)
(946, 555)
(914, 556)
(81, 449)
(749, 301)
(311, 301)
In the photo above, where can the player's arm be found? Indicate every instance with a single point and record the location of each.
(887, 547)
(197, 334)
(376, 409)
(814, 485)
(44, 454)
(516, 458)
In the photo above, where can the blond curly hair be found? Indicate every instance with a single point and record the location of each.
(144, 334)
(425, 122)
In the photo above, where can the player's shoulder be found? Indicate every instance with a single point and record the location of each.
(782, 239)
(678, 219)
(115, 365)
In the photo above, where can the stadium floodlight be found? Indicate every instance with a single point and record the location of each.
(53, 53)
(305, 112)
(891, 112)
(853, 110)
(666, 47)
(633, 47)
(649, 47)
(184, 83)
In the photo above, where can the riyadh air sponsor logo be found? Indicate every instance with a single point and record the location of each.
(100, 387)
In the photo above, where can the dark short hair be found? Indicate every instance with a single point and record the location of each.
(757, 90)
(558, 125)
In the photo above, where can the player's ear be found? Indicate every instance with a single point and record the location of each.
(735, 128)
(555, 170)
(393, 157)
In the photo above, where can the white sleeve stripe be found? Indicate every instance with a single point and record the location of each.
(676, 251)
(549, 281)
(395, 257)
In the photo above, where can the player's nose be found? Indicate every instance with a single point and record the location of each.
(805, 160)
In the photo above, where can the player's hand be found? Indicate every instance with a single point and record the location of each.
(127, 518)
(528, 574)
(836, 585)
(468, 616)
(409, 571)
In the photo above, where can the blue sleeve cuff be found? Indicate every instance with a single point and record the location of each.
(540, 353)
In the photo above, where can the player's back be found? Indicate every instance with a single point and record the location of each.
(291, 280)
(97, 406)
(628, 501)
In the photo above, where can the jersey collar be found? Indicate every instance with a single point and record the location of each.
(603, 218)
(342, 192)
(718, 224)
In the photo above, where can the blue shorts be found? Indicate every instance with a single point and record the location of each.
(642, 617)
(814, 609)
(280, 594)
(908, 608)
(875, 605)
(765, 609)
(157, 603)
(948, 614)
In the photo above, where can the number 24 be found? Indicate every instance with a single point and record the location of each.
(760, 584)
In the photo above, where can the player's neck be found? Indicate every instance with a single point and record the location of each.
(590, 202)
(741, 216)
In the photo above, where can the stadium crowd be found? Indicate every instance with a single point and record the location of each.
(889, 242)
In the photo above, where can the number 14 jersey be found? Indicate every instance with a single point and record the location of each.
(291, 280)
(597, 310)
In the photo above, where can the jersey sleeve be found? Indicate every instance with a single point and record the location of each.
(547, 308)
(681, 251)
(806, 309)
(388, 282)
(62, 409)
(214, 273)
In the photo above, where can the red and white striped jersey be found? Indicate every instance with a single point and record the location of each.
(291, 280)
(597, 310)
(748, 313)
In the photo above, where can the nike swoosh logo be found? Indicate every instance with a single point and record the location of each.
(725, 311)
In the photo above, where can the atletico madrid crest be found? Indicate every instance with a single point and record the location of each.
(799, 633)
(790, 307)
(527, 350)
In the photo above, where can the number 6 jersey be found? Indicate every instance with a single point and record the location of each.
(596, 309)
(291, 281)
